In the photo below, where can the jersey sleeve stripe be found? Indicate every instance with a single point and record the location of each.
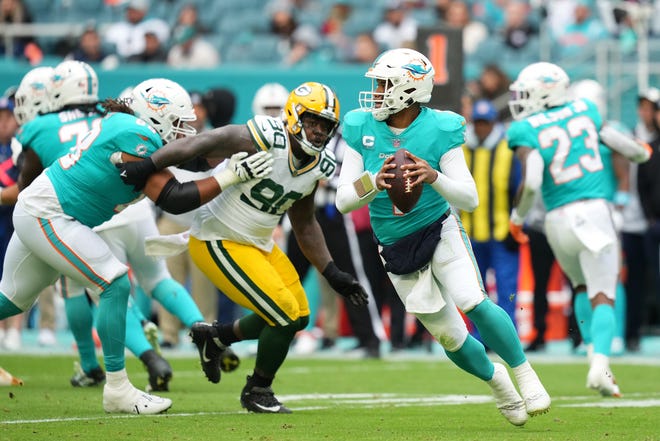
(257, 137)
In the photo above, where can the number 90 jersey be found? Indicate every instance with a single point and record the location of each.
(248, 212)
(575, 162)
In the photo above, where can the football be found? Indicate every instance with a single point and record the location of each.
(402, 194)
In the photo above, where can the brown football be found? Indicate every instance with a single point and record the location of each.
(402, 194)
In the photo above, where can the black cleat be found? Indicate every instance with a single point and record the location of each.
(160, 371)
(211, 350)
(261, 399)
(81, 378)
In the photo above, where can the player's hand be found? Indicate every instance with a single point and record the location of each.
(517, 233)
(345, 284)
(136, 173)
(420, 170)
(242, 168)
(386, 172)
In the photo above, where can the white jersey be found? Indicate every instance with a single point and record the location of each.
(248, 212)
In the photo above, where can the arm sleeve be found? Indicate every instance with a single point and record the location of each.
(352, 169)
(455, 183)
(177, 197)
(531, 186)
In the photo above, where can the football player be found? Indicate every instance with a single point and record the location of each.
(231, 236)
(426, 251)
(558, 141)
(57, 212)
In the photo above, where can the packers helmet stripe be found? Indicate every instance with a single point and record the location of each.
(242, 281)
(330, 100)
(257, 136)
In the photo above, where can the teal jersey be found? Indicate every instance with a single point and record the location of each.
(53, 135)
(431, 135)
(576, 164)
(87, 183)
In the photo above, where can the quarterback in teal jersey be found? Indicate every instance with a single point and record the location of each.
(431, 276)
(56, 213)
(560, 145)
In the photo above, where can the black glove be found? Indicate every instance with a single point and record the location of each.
(345, 284)
(136, 173)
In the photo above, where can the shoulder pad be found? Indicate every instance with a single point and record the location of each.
(267, 132)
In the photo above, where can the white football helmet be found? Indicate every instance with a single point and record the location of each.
(538, 87)
(74, 82)
(33, 94)
(270, 99)
(165, 106)
(591, 90)
(409, 79)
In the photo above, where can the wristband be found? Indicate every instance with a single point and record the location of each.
(364, 185)
(621, 198)
(226, 178)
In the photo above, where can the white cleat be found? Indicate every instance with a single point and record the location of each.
(602, 380)
(128, 399)
(507, 399)
(537, 400)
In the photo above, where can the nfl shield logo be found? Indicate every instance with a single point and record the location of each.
(396, 143)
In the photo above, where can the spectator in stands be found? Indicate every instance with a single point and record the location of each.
(518, 28)
(89, 48)
(365, 49)
(458, 16)
(191, 51)
(332, 29)
(583, 32)
(15, 12)
(297, 41)
(493, 85)
(189, 16)
(397, 29)
(153, 52)
(497, 173)
(128, 36)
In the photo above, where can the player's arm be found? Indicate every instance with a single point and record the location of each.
(214, 144)
(455, 182)
(31, 167)
(355, 186)
(628, 146)
(176, 197)
(9, 195)
(532, 178)
(312, 244)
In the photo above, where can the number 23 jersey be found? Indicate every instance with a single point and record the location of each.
(248, 212)
(568, 141)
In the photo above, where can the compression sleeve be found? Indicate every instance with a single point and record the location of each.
(177, 197)
(454, 181)
(531, 186)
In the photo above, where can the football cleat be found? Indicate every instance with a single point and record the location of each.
(261, 399)
(537, 400)
(603, 381)
(128, 399)
(210, 348)
(507, 399)
(160, 371)
(86, 379)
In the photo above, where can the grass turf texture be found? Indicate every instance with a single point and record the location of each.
(332, 399)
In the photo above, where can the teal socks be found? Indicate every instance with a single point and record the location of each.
(111, 322)
(80, 316)
(472, 358)
(583, 315)
(603, 325)
(498, 332)
(174, 298)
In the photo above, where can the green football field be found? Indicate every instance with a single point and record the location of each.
(332, 399)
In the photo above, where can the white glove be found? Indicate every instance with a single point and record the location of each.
(242, 168)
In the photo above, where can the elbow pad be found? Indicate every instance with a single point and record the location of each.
(177, 197)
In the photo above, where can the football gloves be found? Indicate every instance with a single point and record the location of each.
(345, 284)
(136, 173)
(242, 168)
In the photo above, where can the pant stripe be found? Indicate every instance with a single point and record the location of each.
(70, 256)
(232, 270)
